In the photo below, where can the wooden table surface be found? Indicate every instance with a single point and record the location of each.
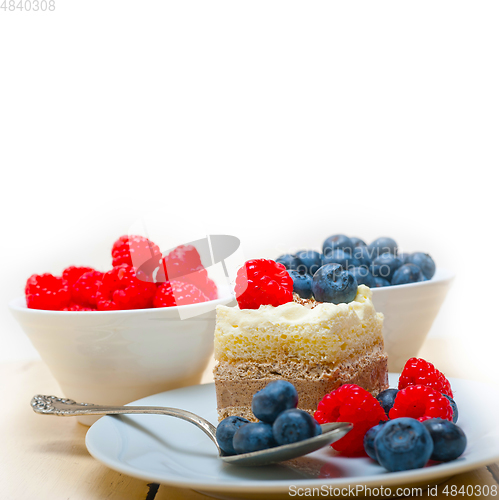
(43, 458)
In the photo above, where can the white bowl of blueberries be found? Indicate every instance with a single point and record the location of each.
(407, 288)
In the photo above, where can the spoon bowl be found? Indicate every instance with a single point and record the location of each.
(62, 407)
(330, 433)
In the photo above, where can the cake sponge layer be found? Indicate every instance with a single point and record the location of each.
(236, 383)
(325, 334)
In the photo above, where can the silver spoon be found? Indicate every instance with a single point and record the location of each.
(51, 405)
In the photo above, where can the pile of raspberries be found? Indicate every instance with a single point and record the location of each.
(420, 396)
(141, 278)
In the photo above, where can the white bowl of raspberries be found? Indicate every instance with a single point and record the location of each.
(142, 327)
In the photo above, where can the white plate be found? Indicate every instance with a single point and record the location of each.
(170, 451)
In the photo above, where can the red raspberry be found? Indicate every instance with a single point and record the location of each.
(84, 291)
(136, 251)
(182, 260)
(177, 293)
(45, 291)
(262, 281)
(422, 403)
(77, 307)
(417, 371)
(350, 403)
(72, 273)
(122, 288)
(201, 280)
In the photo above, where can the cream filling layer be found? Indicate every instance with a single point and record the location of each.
(325, 334)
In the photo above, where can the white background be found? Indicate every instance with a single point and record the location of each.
(278, 122)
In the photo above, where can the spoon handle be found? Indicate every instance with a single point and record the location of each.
(61, 407)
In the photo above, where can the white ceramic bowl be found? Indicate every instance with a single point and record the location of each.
(115, 357)
(409, 313)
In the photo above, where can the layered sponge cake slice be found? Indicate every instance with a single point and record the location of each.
(315, 346)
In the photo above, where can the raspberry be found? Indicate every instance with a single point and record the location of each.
(78, 307)
(350, 403)
(201, 280)
(136, 251)
(72, 273)
(417, 371)
(84, 291)
(182, 260)
(177, 293)
(45, 291)
(123, 288)
(422, 403)
(263, 281)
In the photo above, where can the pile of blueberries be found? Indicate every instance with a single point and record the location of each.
(280, 422)
(346, 262)
(405, 443)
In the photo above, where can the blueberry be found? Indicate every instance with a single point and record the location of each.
(302, 284)
(385, 266)
(332, 284)
(337, 241)
(292, 426)
(273, 399)
(403, 257)
(357, 242)
(369, 440)
(424, 262)
(288, 261)
(379, 282)
(383, 245)
(402, 444)
(455, 412)
(407, 273)
(363, 255)
(363, 276)
(449, 440)
(308, 261)
(386, 399)
(253, 437)
(226, 430)
(342, 257)
(318, 428)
